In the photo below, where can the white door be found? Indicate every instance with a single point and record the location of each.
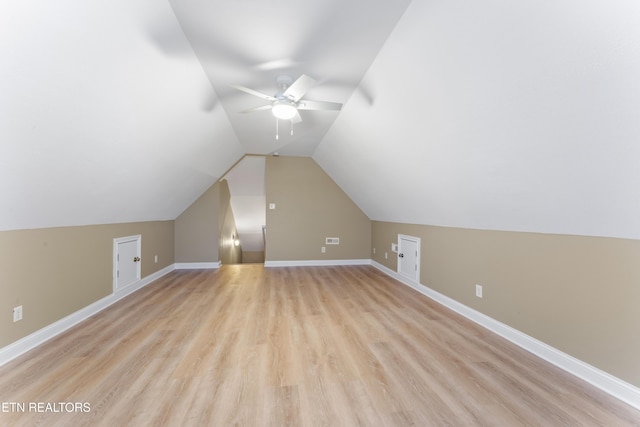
(126, 261)
(409, 257)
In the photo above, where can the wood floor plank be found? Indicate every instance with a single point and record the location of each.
(300, 346)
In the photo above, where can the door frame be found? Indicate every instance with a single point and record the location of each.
(416, 240)
(138, 239)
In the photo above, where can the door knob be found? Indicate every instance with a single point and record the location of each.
(401, 255)
(136, 259)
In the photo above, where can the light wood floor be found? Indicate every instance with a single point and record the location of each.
(306, 346)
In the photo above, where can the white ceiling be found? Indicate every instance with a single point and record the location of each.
(495, 114)
(96, 124)
(251, 43)
(107, 114)
(500, 115)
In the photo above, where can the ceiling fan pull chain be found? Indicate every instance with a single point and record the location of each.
(276, 128)
(291, 127)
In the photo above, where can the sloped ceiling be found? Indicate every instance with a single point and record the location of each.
(495, 114)
(117, 111)
(97, 125)
(499, 115)
(251, 43)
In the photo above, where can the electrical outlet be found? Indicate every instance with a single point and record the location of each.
(374, 250)
(155, 259)
(386, 255)
(479, 291)
(17, 313)
(323, 249)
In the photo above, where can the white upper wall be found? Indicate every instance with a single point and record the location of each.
(499, 115)
(97, 125)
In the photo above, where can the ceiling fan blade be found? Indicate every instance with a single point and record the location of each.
(319, 105)
(296, 119)
(262, 108)
(209, 104)
(300, 87)
(254, 92)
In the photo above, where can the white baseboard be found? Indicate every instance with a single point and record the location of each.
(197, 265)
(316, 262)
(33, 340)
(614, 386)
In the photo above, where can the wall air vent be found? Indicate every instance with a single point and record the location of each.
(332, 240)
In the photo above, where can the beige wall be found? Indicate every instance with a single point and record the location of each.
(580, 295)
(249, 257)
(197, 229)
(54, 272)
(310, 207)
(204, 230)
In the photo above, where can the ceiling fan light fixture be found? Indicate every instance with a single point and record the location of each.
(284, 109)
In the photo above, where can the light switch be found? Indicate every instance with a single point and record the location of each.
(272, 206)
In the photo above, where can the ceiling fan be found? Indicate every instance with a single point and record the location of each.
(285, 104)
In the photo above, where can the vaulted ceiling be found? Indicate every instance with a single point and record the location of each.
(495, 114)
(251, 43)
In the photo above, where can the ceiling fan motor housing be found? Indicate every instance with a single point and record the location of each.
(284, 108)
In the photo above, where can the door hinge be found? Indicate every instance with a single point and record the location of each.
(118, 274)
